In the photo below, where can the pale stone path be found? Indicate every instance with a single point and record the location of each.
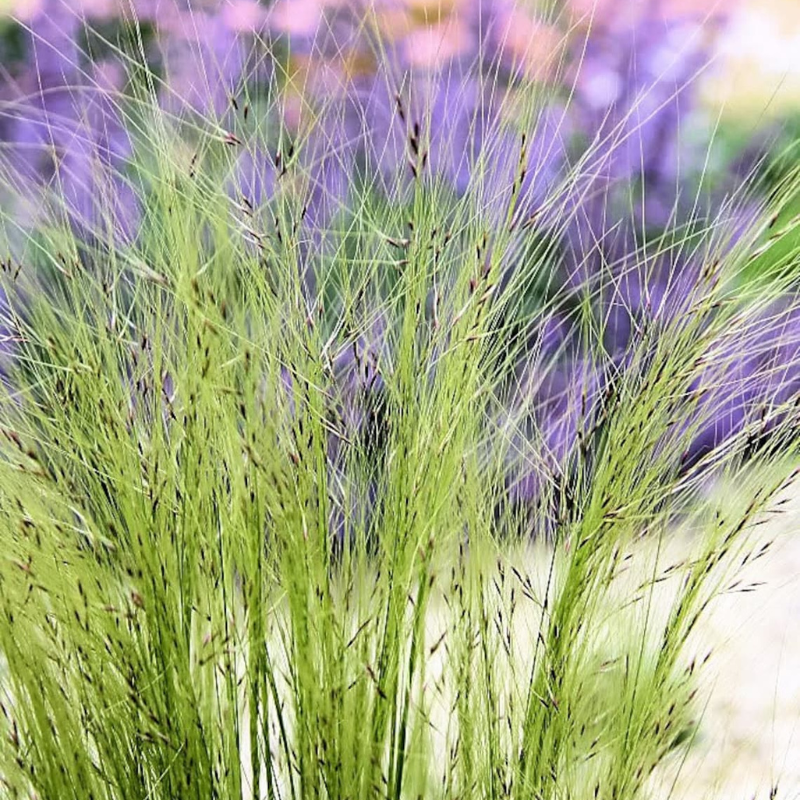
(748, 737)
(757, 75)
(750, 733)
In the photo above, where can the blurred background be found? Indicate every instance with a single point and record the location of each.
(700, 92)
(754, 45)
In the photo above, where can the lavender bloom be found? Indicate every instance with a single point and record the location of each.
(254, 177)
(53, 47)
(358, 429)
(553, 409)
(63, 128)
(598, 171)
(634, 94)
(359, 408)
(436, 89)
(751, 379)
(205, 59)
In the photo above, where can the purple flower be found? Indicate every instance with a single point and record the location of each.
(64, 132)
(752, 379)
(377, 93)
(204, 59)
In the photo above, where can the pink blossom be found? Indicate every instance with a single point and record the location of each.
(244, 16)
(295, 17)
(434, 45)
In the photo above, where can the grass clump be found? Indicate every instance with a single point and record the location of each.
(271, 469)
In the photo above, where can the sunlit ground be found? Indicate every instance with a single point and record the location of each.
(749, 737)
(758, 71)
